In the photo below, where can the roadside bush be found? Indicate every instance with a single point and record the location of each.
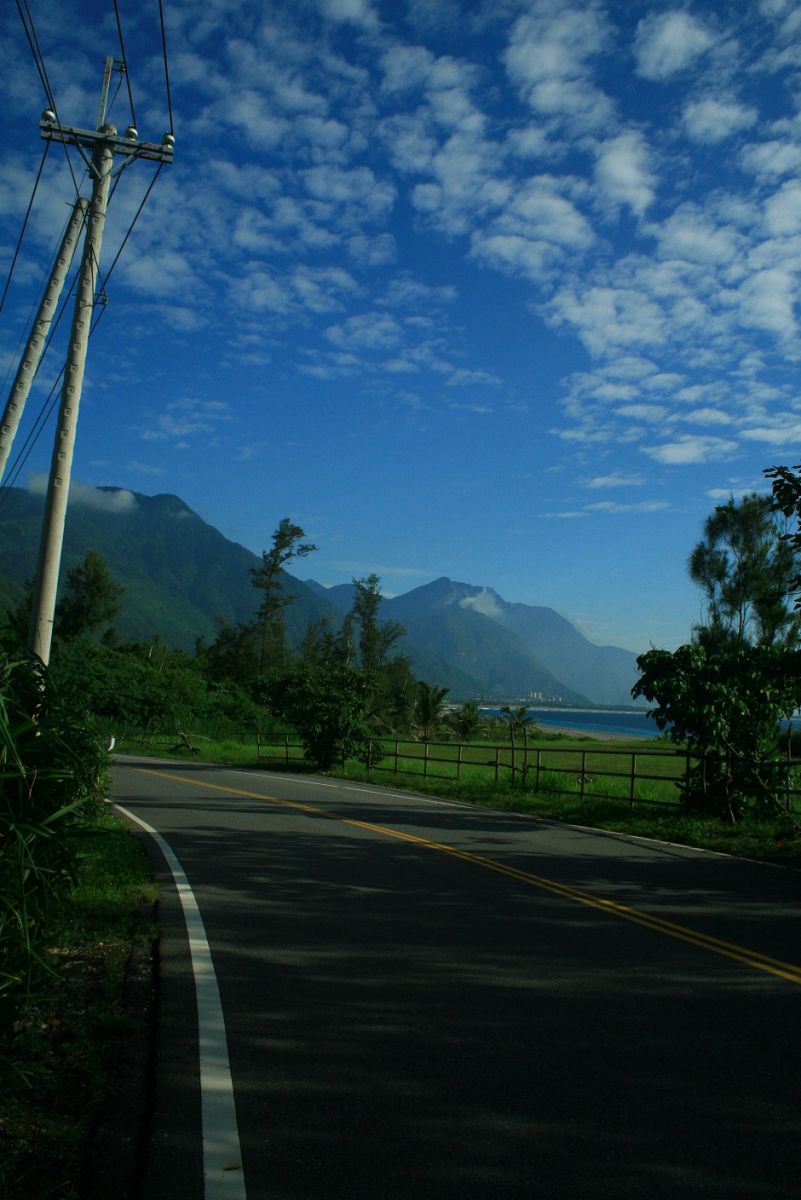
(51, 764)
(327, 706)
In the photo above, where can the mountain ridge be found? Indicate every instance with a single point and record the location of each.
(182, 576)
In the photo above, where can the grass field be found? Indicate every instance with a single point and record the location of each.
(55, 1073)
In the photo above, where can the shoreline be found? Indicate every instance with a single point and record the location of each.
(596, 735)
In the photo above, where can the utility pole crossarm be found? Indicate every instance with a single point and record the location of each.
(87, 139)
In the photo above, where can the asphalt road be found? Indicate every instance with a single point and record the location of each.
(425, 1000)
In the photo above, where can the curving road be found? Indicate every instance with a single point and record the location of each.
(424, 1000)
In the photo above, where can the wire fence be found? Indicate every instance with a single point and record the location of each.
(648, 776)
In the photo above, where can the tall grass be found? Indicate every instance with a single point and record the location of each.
(51, 766)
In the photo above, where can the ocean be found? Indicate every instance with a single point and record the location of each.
(619, 722)
(616, 721)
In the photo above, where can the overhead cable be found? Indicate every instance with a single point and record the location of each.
(39, 62)
(124, 63)
(33, 42)
(24, 226)
(166, 68)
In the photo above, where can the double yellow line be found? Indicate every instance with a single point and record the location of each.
(741, 954)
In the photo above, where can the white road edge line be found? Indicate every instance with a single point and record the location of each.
(374, 790)
(223, 1175)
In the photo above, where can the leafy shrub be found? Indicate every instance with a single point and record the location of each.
(51, 764)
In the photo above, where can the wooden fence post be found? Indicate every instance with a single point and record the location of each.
(583, 773)
(458, 761)
(633, 777)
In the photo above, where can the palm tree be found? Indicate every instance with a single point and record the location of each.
(468, 721)
(429, 709)
(519, 722)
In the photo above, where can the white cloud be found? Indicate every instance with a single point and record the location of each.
(538, 210)
(767, 300)
(354, 12)
(612, 506)
(772, 159)
(690, 233)
(785, 433)
(690, 450)
(622, 171)
(511, 252)
(405, 291)
(707, 416)
(783, 210)
(710, 120)
(405, 68)
(667, 43)
(485, 602)
(615, 479)
(357, 191)
(182, 418)
(653, 414)
(84, 495)
(146, 468)
(373, 251)
(548, 57)
(367, 331)
(607, 318)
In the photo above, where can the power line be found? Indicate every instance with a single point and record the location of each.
(115, 260)
(33, 43)
(166, 68)
(38, 58)
(124, 63)
(36, 430)
(24, 227)
(50, 401)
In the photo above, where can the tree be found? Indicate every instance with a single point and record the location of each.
(746, 568)
(429, 709)
(467, 721)
(269, 579)
(375, 638)
(327, 706)
(518, 721)
(91, 599)
(233, 656)
(726, 692)
(725, 702)
(389, 681)
(786, 488)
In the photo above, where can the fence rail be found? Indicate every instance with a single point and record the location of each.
(566, 769)
(645, 776)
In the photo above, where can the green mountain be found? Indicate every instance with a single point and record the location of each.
(568, 664)
(181, 576)
(498, 662)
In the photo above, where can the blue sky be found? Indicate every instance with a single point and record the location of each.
(502, 291)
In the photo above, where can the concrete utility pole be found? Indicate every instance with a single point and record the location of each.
(32, 355)
(103, 143)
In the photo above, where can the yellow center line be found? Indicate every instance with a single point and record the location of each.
(751, 958)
